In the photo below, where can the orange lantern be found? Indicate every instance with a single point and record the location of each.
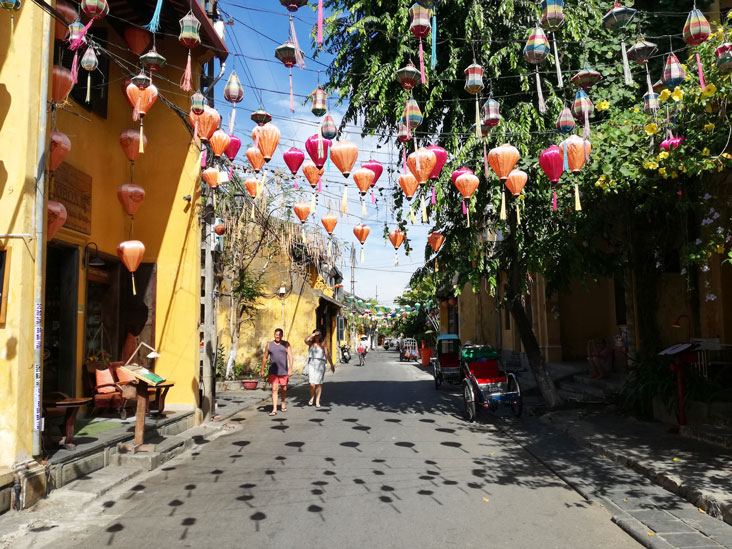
(344, 155)
(421, 163)
(435, 240)
(396, 237)
(362, 232)
(143, 99)
(312, 172)
(59, 147)
(219, 141)
(577, 151)
(131, 253)
(302, 211)
(516, 181)
(62, 83)
(266, 138)
(220, 229)
(254, 155)
(211, 176)
(131, 197)
(329, 222)
(466, 184)
(137, 39)
(363, 178)
(409, 184)
(503, 159)
(129, 140)
(252, 186)
(205, 123)
(56, 218)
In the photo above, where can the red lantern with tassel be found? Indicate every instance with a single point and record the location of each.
(233, 149)
(143, 99)
(551, 163)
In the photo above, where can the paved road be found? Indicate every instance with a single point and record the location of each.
(387, 462)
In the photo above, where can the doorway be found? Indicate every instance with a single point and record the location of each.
(60, 309)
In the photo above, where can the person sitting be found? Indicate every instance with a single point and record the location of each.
(599, 357)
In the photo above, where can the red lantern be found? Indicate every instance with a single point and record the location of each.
(131, 197)
(440, 159)
(294, 159)
(219, 141)
(376, 167)
(56, 218)
(457, 173)
(233, 148)
(254, 155)
(59, 147)
(435, 241)
(131, 253)
(129, 140)
(317, 147)
(69, 13)
(267, 138)
(137, 39)
(503, 159)
(344, 155)
(63, 81)
(550, 161)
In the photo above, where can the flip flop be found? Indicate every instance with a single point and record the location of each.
(273, 413)
(284, 409)
(310, 403)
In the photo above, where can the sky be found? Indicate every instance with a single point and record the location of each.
(258, 28)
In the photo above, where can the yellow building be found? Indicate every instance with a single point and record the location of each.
(64, 299)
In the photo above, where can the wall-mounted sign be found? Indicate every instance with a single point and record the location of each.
(73, 188)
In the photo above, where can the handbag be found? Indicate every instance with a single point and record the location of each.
(306, 368)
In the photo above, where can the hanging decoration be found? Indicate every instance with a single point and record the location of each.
(302, 211)
(515, 183)
(205, 122)
(457, 173)
(673, 72)
(618, 18)
(220, 228)
(396, 237)
(361, 232)
(328, 128)
(582, 109)
(211, 177)
(131, 253)
(190, 38)
(552, 164)
(641, 53)
(312, 173)
(724, 58)
(536, 51)
(260, 116)
(234, 94)
(671, 142)
(440, 160)
(89, 63)
(320, 102)
(94, 10)
(68, 11)
(696, 31)
(408, 76)
(409, 185)
(491, 112)
(412, 116)
(219, 142)
(254, 155)
(129, 140)
(56, 217)
(552, 19)
(421, 163)
(435, 240)
(136, 38)
(420, 27)
(565, 121)
(76, 40)
(152, 60)
(474, 85)
(290, 55)
(344, 155)
(131, 197)
(143, 99)
(575, 151)
(59, 147)
(503, 160)
(294, 158)
(364, 178)
(252, 187)
(233, 149)
(466, 184)
(266, 138)
(317, 148)
(329, 221)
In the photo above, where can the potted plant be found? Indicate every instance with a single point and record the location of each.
(249, 378)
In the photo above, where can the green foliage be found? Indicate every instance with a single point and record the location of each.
(220, 361)
(248, 289)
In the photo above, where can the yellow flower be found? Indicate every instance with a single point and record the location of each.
(720, 249)
(709, 91)
(662, 155)
(603, 105)
(664, 95)
(683, 168)
(662, 171)
(522, 197)
(706, 152)
(677, 94)
(709, 126)
(636, 109)
(651, 129)
(674, 174)
(650, 165)
(727, 156)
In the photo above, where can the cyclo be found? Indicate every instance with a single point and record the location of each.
(485, 382)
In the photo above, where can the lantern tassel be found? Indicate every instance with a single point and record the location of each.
(433, 60)
(518, 214)
(404, 160)
(433, 200)
(540, 93)
(79, 40)
(292, 97)
(12, 32)
(330, 246)
(465, 208)
(421, 64)
(412, 217)
(424, 209)
(320, 22)
(503, 206)
(560, 81)
(88, 87)
(652, 103)
(134, 290)
(486, 170)
(626, 66)
(363, 207)
(396, 257)
(232, 120)
(251, 216)
(699, 67)
(185, 83)
(586, 129)
(142, 139)
(294, 183)
(344, 200)
(373, 198)
(565, 167)
(554, 202)
(299, 59)
(320, 184)
(362, 256)
(577, 205)
(302, 233)
(312, 203)
(478, 134)
(154, 23)
(75, 68)
(327, 162)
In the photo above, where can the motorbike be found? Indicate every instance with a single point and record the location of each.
(345, 354)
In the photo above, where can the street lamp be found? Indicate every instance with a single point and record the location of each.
(95, 261)
(239, 200)
(677, 324)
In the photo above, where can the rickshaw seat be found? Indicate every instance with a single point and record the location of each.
(486, 371)
(449, 360)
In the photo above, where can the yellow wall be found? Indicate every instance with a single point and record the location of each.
(586, 313)
(478, 316)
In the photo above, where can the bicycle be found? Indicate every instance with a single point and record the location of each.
(361, 358)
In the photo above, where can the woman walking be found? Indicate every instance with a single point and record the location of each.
(318, 354)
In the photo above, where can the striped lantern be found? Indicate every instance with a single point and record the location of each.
(484, 128)
(696, 31)
(536, 51)
(412, 115)
(289, 55)
(190, 38)
(94, 10)
(198, 102)
(650, 101)
(582, 109)
(319, 99)
(260, 116)
(328, 128)
(403, 135)
(76, 40)
(408, 76)
(586, 78)
(673, 73)
(552, 19)
(659, 86)
(565, 121)
(641, 53)
(233, 93)
(724, 58)
(420, 27)
(474, 85)
(618, 18)
(152, 60)
(491, 112)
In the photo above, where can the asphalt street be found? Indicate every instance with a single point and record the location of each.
(388, 461)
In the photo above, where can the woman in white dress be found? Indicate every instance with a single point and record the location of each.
(318, 355)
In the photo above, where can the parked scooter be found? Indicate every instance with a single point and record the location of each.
(345, 354)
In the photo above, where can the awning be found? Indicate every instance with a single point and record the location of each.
(327, 299)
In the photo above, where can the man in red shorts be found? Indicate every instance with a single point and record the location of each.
(279, 354)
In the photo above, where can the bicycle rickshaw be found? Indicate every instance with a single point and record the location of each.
(447, 360)
(408, 350)
(485, 383)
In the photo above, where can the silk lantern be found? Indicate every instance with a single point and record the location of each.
(129, 140)
(190, 38)
(131, 253)
(618, 18)
(582, 109)
(266, 138)
(59, 147)
(152, 60)
(440, 160)
(673, 72)
(421, 163)
(89, 63)
(137, 39)
(466, 184)
(362, 233)
(211, 177)
(252, 186)
(143, 99)
(254, 155)
(233, 149)
(409, 185)
(131, 197)
(536, 51)
(344, 155)
(61, 85)
(329, 221)
(552, 19)
(364, 179)
(435, 240)
(396, 237)
(641, 52)
(420, 27)
(94, 10)
(311, 172)
(320, 102)
(56, 217)
(219, 142)
(294, 158)
(515, 183)
(551, 163)
(474, 85)
(575, 151)
(68, 12)
(376, 167)
(290, 55)
(317, 148)
(234, 94)
(503, 159)
(260, 116)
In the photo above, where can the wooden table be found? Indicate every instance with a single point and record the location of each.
(161, 390)
(71, 405)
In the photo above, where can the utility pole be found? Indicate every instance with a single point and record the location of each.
(208, 322)
(353, 270)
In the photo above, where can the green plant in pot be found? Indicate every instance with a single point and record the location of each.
(249, 378)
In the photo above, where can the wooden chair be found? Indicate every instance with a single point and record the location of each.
(105, 391)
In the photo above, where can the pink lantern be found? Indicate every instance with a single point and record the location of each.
(294, 159)
(233, 148)
(317, 148)
(441, 155)
(376, 167)
(550, 161)
(671, 143)
(460, 171)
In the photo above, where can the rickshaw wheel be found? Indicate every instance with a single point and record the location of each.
(517, 406)
(438, 378)
(469, 399)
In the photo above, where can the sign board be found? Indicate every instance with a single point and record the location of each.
(143, 374)
(73, 188)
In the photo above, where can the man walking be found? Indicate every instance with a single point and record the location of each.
(279, 354)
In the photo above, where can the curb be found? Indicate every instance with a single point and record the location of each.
(639, 532)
